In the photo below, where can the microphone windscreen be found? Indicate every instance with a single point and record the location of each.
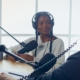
(46, 58)
(28, 47)
(45, 64)
(2, 48)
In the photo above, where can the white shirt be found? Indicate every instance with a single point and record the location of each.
(43, 48)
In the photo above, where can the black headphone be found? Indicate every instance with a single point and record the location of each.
(36, 17)
(35, 22)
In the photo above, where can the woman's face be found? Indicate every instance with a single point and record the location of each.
(44, 25)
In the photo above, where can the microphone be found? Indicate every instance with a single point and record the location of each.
(4, 49)
(46, 63)
(44, 60)
(28, 47)
(43, 69)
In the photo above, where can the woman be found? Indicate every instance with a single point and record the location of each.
(43, 23)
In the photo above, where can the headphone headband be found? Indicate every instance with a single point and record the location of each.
(37, 15)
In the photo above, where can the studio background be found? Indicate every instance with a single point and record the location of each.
(16, 16)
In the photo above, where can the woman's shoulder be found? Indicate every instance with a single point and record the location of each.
(58, 40)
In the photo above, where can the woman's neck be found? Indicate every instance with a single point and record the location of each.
(45, 38)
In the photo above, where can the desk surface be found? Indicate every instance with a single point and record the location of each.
(15, 67)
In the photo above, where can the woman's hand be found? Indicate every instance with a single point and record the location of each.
(11, 58)
(8, 57)
(26, 57)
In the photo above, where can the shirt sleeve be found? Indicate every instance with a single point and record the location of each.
(58, 49)
(15, 48)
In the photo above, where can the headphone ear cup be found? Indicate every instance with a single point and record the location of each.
(52, 22)
(34, 24)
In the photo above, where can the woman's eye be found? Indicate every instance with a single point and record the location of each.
(40, 23)
(45, 23)
(49, 22)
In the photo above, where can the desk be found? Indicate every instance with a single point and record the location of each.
(15, 67)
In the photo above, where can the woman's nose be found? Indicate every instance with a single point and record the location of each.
(44, 25)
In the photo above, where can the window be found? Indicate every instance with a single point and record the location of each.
(17, 15)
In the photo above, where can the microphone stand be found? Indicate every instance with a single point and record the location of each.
(19, 58)
(21, 43)
(22, 77)
(40, 69)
